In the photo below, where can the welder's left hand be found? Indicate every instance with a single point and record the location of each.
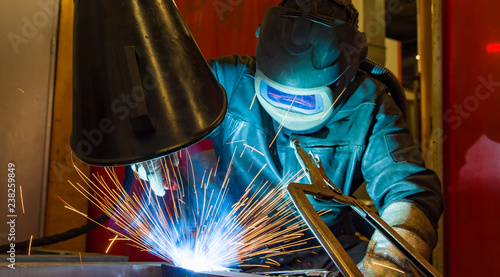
(155, 171)
(382, 258)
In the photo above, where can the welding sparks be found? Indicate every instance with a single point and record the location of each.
(253, 149)
(29, 247)
(390, 267)
(253, 100)
(197, 226)
(22, 199)
(283, 121)
(334, 102)
(112, 241)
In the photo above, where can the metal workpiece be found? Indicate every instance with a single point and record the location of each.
(49, 263)
(134, 269)
(41, 262)
(177, 271)
(323, 188)
(302, 273)
(48, 256)
(77, 269)
(169, 271)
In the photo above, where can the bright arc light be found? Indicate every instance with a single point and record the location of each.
(198, 226)
(199, 262)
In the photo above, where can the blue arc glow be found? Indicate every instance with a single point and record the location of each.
(205, 231)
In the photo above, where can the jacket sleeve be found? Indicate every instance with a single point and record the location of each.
(228, 70)
(393, 166)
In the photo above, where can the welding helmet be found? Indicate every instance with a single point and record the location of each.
(305, 63)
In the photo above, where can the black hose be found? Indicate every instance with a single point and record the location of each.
(57, 237)
(385, 76)
(75, 232)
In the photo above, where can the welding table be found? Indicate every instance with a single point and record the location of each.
(51, 263)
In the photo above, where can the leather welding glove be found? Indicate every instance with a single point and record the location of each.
(382, 258)
(156, 172)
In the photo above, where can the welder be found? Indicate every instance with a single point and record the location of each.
(307, 83)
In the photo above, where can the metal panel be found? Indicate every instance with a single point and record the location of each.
(83, 270)
(112, 269)
(28, 30)
(471, 138)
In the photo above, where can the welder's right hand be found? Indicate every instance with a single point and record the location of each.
(155, 172)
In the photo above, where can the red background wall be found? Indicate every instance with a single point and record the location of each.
(220, 27)
(472, 137)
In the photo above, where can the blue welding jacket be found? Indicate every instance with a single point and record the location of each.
(365, 141)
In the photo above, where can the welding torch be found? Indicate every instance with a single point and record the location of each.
(153, 172)
(324, 189)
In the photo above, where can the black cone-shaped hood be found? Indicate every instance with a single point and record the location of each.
(141, 87)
